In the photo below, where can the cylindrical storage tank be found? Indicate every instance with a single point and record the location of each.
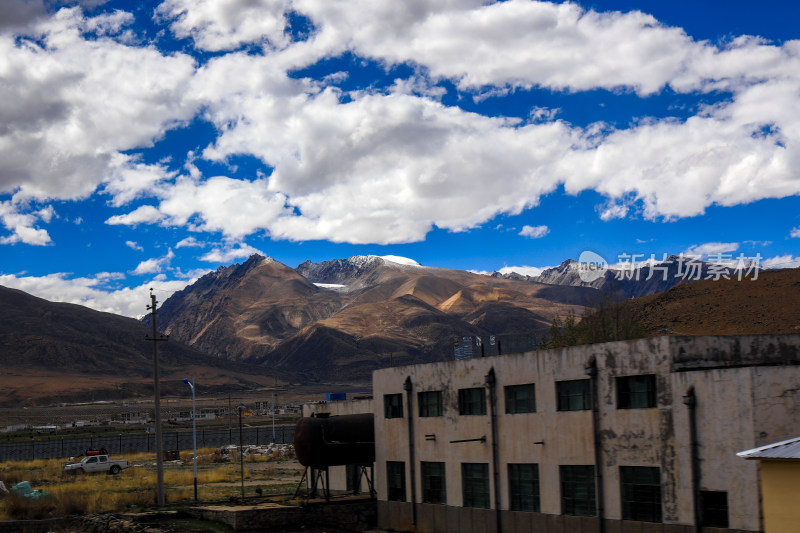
(335, 440)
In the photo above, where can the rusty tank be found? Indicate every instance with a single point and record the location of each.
(323, 441)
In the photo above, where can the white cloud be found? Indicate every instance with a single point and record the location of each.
(75, 97)
(146, 214)
(216, 25)
(21, 225)
(386, 168)
(190, 242)
(94, 292)
(229, 253)
(795, 234)
(134, 246)
(711, 249)
(534, 232)
(781, 261)
(614, 211)
(154, 265)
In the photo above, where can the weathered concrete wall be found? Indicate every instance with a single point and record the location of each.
(747, 390)
(350, 515)
(344, 407)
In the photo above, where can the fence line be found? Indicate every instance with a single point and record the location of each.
(121, 444)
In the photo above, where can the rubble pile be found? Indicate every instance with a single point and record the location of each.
(273, 452)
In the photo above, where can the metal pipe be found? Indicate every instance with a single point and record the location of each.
(591, 370)
(241, 448)
(409, 388)
(491, 383)
(690, 400)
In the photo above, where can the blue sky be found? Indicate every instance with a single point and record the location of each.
(145, 143)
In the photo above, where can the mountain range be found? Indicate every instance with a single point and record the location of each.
(632, 280)
(347, 317)
(239, 327)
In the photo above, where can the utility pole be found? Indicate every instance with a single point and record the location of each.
(156, 338)
(273, 408)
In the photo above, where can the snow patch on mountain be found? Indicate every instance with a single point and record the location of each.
(405, 261)
(332, 286)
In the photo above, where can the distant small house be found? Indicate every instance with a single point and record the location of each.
(780, 483)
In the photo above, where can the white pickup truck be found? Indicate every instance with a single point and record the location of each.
(96, 463)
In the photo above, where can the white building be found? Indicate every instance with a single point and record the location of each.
(619, 437)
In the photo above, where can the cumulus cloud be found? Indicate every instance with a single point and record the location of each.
(534, 232)
(154, 265)
(388, 165)
(73, 97)
(216, 25)
(95, 291)
(146, 214)
(22, 225)
(711, 249)
(782, 261)
(795, 233)
(190, 242)
(133, 245)
(230, 252)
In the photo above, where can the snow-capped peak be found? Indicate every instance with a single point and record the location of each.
(400, 260)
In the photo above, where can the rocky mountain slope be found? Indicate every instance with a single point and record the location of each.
(52, 352)
(349, 316)
(767, 305)
(638, 279)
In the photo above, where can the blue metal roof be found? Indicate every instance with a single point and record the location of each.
(787, 449)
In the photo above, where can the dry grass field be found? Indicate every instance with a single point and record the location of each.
(135, 488)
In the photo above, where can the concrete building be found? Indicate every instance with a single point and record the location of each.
(780, 484)
(618, 437)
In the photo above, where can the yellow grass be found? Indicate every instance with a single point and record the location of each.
(134, 487)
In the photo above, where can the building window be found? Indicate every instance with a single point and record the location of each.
(714, 505)
(472, 401)
(641, 493)
(521, 398)
(430, 403)
(396, 480)
(433, 484)
(636, 392)
(523, 487)
(577, 490)
(475, 484)
(574, 395)
(393, 405)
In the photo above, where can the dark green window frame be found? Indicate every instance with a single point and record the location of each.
(578, 490)
(574, 395)
(520, 398)
(393, 405)
(430, 403)
(472, 401)
(475, 485)
(636, 392)
(434, 487)
(641, 493)
(523, 486)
